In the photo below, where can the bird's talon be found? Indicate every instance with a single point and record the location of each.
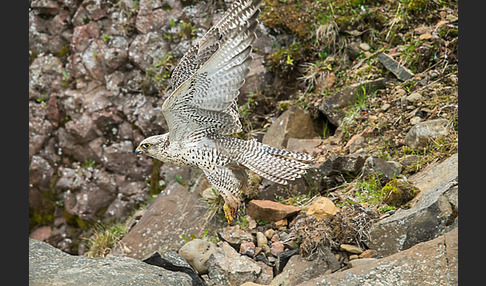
(230, 213)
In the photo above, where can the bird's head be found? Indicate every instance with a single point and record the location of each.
(154, 146)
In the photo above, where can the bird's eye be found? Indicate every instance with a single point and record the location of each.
(145, 146)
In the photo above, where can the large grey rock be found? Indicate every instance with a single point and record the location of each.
(299, 269)
(51, 266)
(434, 261)
(433, 211)
(176, 212)
(378, 166)
(293, 123)
(228, 267)
(420, 134)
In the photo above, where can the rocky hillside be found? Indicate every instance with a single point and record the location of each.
(369, 88)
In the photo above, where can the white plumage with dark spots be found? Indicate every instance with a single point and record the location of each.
(201, 111)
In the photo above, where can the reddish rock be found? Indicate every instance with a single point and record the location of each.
(368, 253)
(277, 248)
(40, 172)
(270, 211)
(247, 248)
(54, 113)
(83, 129)
(41, 233)
(83, 34)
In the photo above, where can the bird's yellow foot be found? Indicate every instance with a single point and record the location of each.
(230, 213)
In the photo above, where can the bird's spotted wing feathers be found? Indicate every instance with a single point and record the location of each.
(208, 78)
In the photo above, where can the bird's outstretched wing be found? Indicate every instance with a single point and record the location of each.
(206, 82)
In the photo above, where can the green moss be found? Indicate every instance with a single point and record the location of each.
(416, 5)
(32, 56)
(64, 53)
(187, 30)
(398, 192)
(43, 213)
(155, 187)
(76, 221)
(285, 59)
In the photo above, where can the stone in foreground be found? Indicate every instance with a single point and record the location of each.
(51, 266)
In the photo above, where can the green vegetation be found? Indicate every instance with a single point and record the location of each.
(212, 237)
(104, 238)
(160, 71)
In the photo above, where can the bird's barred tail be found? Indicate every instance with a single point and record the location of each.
(274, 164)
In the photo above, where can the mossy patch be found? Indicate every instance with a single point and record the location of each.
(398, 192)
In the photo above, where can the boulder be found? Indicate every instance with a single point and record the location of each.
(421, 133)
(270, 211)
(228, 267)
(333, 106)
(51, 266)
(197, 252)
(375, 165)
(434, 261)
(299, 269)
(293, 123)
(322, 208)
(432, 212)
(176, 212)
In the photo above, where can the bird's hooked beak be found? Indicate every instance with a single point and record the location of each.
(138, 150)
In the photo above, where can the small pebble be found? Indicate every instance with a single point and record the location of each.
(269, 233)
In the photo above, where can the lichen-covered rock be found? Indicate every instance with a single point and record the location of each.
(228, 267)
(432, 212)
(48, 265)
(421, 134)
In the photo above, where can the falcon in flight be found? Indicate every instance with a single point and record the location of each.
(201, 111)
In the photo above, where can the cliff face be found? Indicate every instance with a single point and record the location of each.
(376, 80)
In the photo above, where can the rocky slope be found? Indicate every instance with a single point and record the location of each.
(367, 87)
